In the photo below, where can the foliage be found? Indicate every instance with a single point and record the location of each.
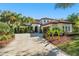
(74, 18)
(52, 32)
(15, 20)
(72, 48)
(75, 37)
(3, 37)
(5, 32)
(6, 37)
(29, 20)
(63, 5)
(4, 28)
(21, 29)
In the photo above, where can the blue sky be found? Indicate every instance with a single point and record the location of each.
(39, 10)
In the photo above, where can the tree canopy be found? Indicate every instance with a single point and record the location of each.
(63, 5)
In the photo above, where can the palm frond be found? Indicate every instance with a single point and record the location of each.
(63, 5)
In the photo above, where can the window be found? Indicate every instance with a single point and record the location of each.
(63, 28)
(68, 28)
(44, 20)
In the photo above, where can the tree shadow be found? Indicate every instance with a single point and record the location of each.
(36, 35)
(53, 52)
(2, 47)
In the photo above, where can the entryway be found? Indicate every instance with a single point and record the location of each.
(36, 29)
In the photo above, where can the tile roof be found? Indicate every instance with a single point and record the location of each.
(57, 22)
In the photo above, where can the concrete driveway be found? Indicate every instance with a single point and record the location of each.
(26, 45)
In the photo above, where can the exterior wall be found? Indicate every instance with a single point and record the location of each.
(45, 21)
(52, 26)
(68, 27)
(63, 27)
(38, 27)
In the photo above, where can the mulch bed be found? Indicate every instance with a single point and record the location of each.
(63, 39)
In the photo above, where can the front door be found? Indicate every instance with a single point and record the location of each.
(36, 29)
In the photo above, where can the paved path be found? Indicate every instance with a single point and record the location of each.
(24, 45)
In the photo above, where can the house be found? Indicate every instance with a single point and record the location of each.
(44, 23)
(65, 26)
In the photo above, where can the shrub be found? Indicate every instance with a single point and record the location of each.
(4, 28)
(72, 48)
(9, 36)
(21, 29)
(75, 37)
(3, 37)
(5, 32)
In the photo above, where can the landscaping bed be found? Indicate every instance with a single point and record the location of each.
(5, 39)
(6, 35)
(58, 41)
(72, 34)
(67, 43)
(71, 48)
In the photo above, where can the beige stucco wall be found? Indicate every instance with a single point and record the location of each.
(38, 25)
(60, 25)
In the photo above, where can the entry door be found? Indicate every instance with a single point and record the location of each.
(36, 28)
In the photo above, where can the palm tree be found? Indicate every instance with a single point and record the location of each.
(4, 16)
(30, 20)
(19, 19)
(24, 19)
(7, 16)
(63, 5)
(74, 18)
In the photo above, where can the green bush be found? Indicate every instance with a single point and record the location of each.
(5, 32)
(71, 48)
(3, 37)
(9, 36)
(21, 29)
(76, 37)
(6, 37)
(4, 28)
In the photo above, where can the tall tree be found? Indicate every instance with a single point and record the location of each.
(30, 20)
(24, 19)
(7, 16)
(74, 18)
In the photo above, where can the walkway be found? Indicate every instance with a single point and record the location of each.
(25, 45)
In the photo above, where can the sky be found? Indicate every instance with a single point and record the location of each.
(39, 10)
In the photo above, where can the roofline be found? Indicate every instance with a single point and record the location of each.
(56, 23)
